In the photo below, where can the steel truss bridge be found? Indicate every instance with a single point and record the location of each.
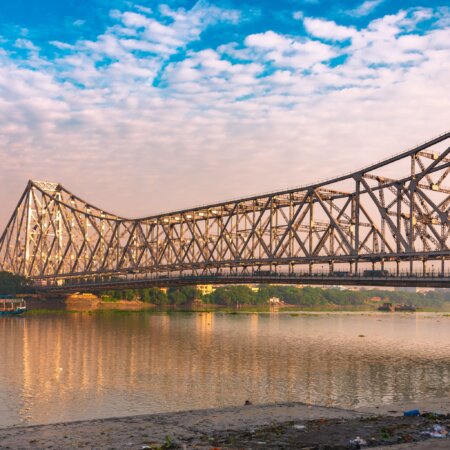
(387, 224)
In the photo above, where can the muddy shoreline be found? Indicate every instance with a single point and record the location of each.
(283, 426)
(89, 303)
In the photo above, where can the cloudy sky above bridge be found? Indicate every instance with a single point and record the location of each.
(148, 106)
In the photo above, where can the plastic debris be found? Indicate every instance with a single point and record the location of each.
(358, 442)
(412, 413)
(299, 427)
(438, 431)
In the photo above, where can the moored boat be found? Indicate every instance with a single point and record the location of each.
(406, 308)
(389, 307)
(10, 306)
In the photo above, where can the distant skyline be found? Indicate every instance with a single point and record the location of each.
(143, 107)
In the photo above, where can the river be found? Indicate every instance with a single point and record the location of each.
(72, 366)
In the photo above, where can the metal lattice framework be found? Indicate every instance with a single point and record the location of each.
(358, 221)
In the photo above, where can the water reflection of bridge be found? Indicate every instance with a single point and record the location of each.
(75, 366)
(391, 218)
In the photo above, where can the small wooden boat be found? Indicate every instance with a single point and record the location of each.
(10, 306)
(389, 307)
(405, 307)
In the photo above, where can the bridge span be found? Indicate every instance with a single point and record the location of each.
(386, 224)
(320, 279)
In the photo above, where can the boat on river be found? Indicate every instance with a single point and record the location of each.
(389, 307)
(405, 308)
(10, 306)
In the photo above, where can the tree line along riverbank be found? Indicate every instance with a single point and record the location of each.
(262, 295)
(235, 296)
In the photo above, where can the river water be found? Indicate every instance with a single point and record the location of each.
(71, 366)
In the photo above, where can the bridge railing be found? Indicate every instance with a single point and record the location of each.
(258, 277)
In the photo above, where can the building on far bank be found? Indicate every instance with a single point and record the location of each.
(206, 289)
(422, 290)
(415, 289)
(275, 301)
(253, 287)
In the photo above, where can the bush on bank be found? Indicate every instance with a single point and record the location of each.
(11, 284)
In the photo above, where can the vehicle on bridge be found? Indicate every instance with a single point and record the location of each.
(265, 273)
(376, 273)
(341, 273)
(10, 306)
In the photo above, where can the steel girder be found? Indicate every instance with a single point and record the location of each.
(358, 221)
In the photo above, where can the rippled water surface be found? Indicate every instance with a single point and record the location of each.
(78, 366)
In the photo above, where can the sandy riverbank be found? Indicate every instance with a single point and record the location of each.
(288, 426)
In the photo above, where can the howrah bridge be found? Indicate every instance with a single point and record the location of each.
(384, 225)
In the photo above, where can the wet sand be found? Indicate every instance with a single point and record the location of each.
(287, 425)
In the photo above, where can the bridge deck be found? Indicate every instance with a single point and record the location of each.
(407, 280)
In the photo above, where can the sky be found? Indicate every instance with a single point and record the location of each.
(147, 106)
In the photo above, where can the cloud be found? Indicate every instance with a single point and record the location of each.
(25, 44)
(288, 52)
(134, 20)
(178, 121)
(268, 40)
(327, 29)
(62, 45)
(365, 8)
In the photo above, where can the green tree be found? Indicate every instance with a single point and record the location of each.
(129, 294)
(233, 296)
(155, 296)
(183, 295)
(11, 284)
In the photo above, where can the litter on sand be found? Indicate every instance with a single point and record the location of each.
(358, 442)
(412, 413)
(438, 431)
